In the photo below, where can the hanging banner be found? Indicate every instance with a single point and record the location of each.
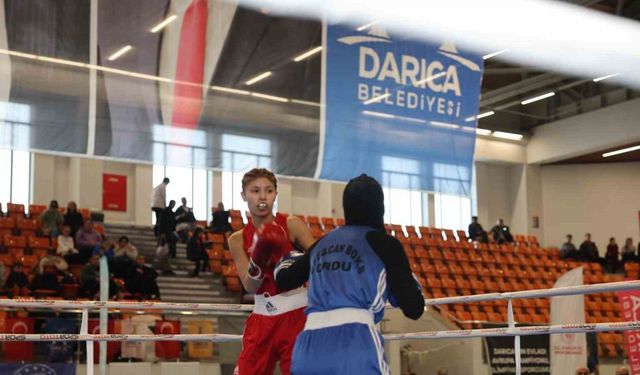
(534, 351)
(37, 368)
(199, 349)
(568, 350)
(399, 110)
(113, 347)
(18, 351)
(168, 349)
(114, 192)
(630, 308)
(60, 351)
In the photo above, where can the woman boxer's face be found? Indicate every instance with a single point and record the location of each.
(260, 195)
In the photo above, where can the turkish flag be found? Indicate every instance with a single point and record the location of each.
(167, 349)
(18, 351)
(113, 347)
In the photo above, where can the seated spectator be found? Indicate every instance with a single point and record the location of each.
(124, 259)
(90, 280)
(196, 251)
(476, 232)
(17, 281)
(106, 248)
(628, 251)
(73, 218)
(66, 247)
(588, 251)
(87, 239)
(568, 249)
(501, 233)
(611, 257)
(185, 220)
(622, 371)
(143, 281)
(2, 275)
(47, 281)
(220, 222)
(59, 263)
(51, 220)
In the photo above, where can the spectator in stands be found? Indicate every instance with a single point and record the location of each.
(59, 263)
(73, 218)
(17, 281)
(87, 239)
(622, 371)
(197, 252)
(588, 251)
(185, 220)
(106, 249)
(90, 280)
(442, 371)
(47, 281)
(124, 260)
(582, 371)
(143, 281)
(220, 222)
(3, 271)
(628, 251)
(66, 247)
(159, 201)
(167, 227)
(476, 232)
(51, 220)
(611, 257)
(501, 233)
(568, 249)
(592, 352)
(125, 248)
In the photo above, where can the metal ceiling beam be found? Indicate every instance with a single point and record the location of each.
(521, 87)
(520, 70)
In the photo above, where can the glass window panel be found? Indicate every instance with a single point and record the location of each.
(178, 155)
(248, 145)
(20, 178)
(227, 161)
(227, 189)
(158, 153)
(177, 135)
(181, 184)
(402, 165)
(244, 162)
(158, 174)
(5, 177)
(200, 198)
(416, 208)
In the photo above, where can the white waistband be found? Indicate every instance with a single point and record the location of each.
(280, 303)
(337, 317)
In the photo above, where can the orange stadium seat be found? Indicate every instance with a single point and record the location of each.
(35, 210)
(15, 210)
(328, 223)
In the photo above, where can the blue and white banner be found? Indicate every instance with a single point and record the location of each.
(399, 110)
(37, 369)
(60, 351)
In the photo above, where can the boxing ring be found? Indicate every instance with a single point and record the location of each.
(510, 330)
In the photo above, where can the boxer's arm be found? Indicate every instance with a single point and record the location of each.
(299, 233)
(294, 275)
(401, 282)
(242, 263)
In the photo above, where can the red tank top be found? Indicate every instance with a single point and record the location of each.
(268, 283)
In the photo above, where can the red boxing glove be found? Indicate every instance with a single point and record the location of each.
(267, 239)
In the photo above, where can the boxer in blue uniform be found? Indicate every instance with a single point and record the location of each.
(352, 272)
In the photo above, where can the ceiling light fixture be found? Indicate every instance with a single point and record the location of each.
(605, 77)
(164, 23)
(621, 151)
(120, 52)
(494, 54)
(298, 101)
(270, 97)
(431, 78)
(364, 27)
(444, 125)
(257, 78)
(539, 97)
(230, 91)
(378, 114)
(376, 99)
(505, 135)
(480, 131)
(307, 54)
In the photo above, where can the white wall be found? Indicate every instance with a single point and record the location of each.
(603, 199)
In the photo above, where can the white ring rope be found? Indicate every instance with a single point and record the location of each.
(219, 307)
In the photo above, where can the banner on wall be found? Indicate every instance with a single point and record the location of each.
(37, 369)
(399, 110)
(630, 308)
(114, 192)
(534, 351)
(199, 349)
(168, 349)
(60, 351)
(113, 347)
(18, 351)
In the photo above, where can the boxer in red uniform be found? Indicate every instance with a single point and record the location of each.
(278, 316)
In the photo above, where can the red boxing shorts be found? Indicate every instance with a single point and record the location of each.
(270, 333)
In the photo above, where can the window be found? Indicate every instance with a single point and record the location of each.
(452, 211)
(239, 154)
(191, 183)
(15, 177)
(406, 206)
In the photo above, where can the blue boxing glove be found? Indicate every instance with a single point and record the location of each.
(392, 299)
(286, 262)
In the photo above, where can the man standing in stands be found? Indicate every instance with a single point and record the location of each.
(159, 201)
(588, 250)
(166, 234)
(185, 220)
(568, 249)
(501, 233)
(477, 232)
